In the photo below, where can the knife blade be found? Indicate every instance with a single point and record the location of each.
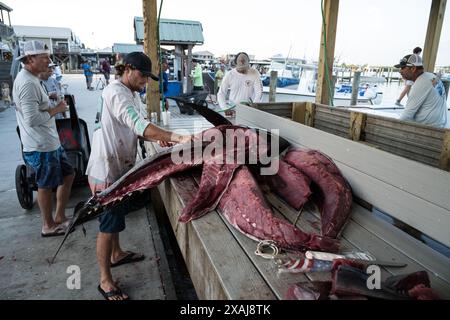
(369, 261)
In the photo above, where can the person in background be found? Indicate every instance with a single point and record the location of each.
(408, 83)
(88, 74)
(197, 76)
(165, 82)
(40, 140)
(425, 105)
(114, 148)
(57, 74)
(106, 70)
(243, 82)
(52, 88)
(220, 73)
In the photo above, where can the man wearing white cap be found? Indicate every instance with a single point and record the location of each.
(41, 146)
(243, 82)
(51, 87)
(425, 105)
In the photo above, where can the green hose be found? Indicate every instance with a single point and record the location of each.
(327, 73)
(160, 54)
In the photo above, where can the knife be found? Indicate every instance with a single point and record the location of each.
(360, 257)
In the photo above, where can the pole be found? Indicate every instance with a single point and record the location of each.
(356, 80)
(273, 86)
(151, 49)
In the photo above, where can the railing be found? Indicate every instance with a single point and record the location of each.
(5, 31)
(60, 50)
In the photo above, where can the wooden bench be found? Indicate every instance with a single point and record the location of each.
(425, 144)
(222, 262)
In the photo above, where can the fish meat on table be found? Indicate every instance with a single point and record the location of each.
(335, 198)
(230, 187)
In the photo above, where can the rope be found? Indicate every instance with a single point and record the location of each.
(265, 245)
(327, 74)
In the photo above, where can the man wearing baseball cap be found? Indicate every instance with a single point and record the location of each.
(425, 105)
(119, 124)
(41, 146)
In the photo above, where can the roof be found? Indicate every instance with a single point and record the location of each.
(43, 32)
(127, 48)
(5, 7)
(203, 53)
(172, 31)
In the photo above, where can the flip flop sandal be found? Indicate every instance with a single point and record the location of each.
(129, 258)
(60, 230)
(112, 293)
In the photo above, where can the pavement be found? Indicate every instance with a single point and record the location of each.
(24, 270)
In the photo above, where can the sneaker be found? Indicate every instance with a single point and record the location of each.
(397, 103)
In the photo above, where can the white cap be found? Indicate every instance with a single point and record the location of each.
(33, 47)
(410, 60)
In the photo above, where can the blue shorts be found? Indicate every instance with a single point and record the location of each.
(113, 219)
(50, 167)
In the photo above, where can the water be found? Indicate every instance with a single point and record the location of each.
(391, 92)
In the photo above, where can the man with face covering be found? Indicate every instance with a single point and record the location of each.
(243, 82)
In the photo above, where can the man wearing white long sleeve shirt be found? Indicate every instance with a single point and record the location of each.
(41, 146)
(243, 82)
(425, 105)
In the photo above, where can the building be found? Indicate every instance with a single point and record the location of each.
(125, 48)
(65, 47)
(7, 45)
(203, 56)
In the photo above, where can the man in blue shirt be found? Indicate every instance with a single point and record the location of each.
(88, 74)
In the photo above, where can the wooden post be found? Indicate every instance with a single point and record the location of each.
(151, 49)
(435, 22)
(357, 125)
(299, 112)
(310, 114)
(273, 86)
(444, 162)
(331, 9)
(189, 70)
(355, 88)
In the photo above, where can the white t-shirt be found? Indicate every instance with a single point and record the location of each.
(424, 104)
(118, 125)
(243, 87)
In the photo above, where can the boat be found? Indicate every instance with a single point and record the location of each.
(305, 90)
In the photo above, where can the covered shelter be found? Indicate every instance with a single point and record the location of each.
(183, 35)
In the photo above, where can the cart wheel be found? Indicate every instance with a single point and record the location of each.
(24, 192)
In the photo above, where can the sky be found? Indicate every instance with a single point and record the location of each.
(373, 32)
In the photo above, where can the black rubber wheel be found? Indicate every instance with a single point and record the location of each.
(24, 192)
